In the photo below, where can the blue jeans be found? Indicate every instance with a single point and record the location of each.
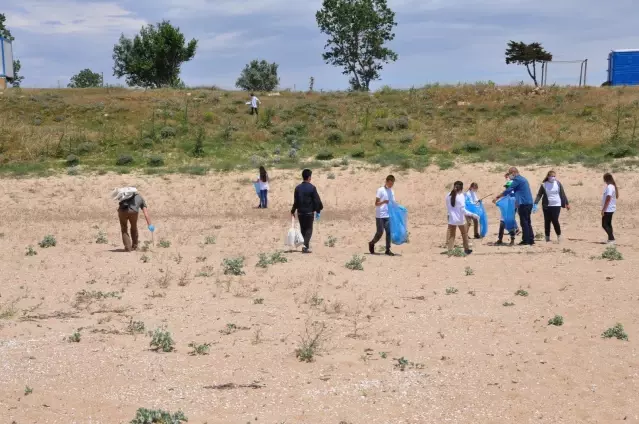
(263, 199)
(528, 237)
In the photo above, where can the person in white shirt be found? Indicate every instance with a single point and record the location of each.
(384, 196)
(471, 197)
(263, 181)
(553, 198)
(255, 102)
(609, 205)
(456, 205)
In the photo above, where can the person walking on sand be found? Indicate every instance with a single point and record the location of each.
(255, 102)
(385, 195)
(471, 197)
(263, 182)
(502, 224)
(306, 202)
(456, 205)
(524, 203)
(553, 199)
(609, 206)
(130, 204)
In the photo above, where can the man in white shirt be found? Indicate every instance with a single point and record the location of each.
(254, 104)
(384, 196)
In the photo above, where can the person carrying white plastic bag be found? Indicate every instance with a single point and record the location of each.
(294, 237)
(306, 202)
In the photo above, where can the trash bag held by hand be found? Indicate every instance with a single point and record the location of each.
(398, 216)
(507, 207)
(257, 188)
(294, 237)
(478, 209)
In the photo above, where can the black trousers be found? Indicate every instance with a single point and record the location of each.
(551, 215)
(382, 224)
(606, 223)
(306, 228)
(528, 237)
(502, 228)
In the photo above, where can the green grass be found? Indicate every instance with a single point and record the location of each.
(119, 130)
(616, 332)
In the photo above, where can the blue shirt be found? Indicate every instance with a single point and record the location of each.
(521, 189)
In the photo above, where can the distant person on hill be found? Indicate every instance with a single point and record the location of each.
(502, 225)
(471, 197)
(263, 181)
(456, 205)
(255, 102)
(306, 202)
(524, 203)
(553, 198)
(609, 205)
(385, 195)
(130, 203)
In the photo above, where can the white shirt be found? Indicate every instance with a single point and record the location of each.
(263, 184)
(383, 194)
(612, 192)
(254, 101)
(457, 214)
(472, 197)
(552, 193)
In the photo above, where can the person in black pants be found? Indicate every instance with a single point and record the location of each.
(609, 206)
(306, 202)
(384, 196)
(524, 201)
(553, 199)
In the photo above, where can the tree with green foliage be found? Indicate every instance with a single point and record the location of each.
(258, 76)
(5, 33)
(528, 55)
(152, 59)
(357, 31)
(86, 78)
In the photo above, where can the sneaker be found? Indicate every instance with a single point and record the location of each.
(371, 248)
(558, 239)
(611, 242)
(512, 242)
(547, 239)
(499, 243)
(523, 243)
(477, 236)
(389, 253)
(468, 251)
(306, 250)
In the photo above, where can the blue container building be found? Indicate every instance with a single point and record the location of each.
(623, 67)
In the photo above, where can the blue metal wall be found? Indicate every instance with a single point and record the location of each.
(623, 67)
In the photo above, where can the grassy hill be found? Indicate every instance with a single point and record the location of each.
(192, 131)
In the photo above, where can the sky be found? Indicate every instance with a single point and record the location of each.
(444, 41)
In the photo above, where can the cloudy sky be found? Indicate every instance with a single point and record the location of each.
(446, 41)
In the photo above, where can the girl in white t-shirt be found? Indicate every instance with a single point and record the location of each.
(456, 205)
(553, 197)
(263, 180)
(609, 205)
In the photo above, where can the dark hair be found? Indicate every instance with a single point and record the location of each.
(609, 180)
(252, 94)
(263, 174)
(457, 187)
(390, 178)
(306, 174)
(474, 185)
(548, 175)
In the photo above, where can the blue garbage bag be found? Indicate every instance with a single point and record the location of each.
(478, 209)
(398, 223)
(506, 206)
(257, 188)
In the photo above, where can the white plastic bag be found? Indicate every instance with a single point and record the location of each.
(294, 237)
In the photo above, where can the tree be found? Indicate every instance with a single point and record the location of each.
(528, 55)
(357, 31)
(258, 76)
(152, 59)
(5, 33)
(86, 78)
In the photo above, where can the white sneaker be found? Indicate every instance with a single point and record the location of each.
(558, 239)
(611, 242)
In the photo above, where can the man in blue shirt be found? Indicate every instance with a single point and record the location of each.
(524, 203)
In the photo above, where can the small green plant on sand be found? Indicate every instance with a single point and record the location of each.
(451, 290)
(355, 264)
(75, 337)
(508, 304)
(101, 238)
(331, 241)
(469, 271)
(264, 261)
(403, 364)
(612, 254)
(521, 292)
(28, 390)
(233, 266)
(457, 252)
(210, 240)
(199, 349)
(311, 342)
(135, 327)
(158, 416)
(615, 332)
(161, 340)
(557, 321)
(258, 301)
(164, 244)
(48, 241)
(31, 251)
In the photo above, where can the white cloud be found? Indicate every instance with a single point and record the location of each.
(189, 8)
(72, 17)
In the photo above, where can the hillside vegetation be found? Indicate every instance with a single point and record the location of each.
(192, 131)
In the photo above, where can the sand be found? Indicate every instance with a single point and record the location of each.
(471, 359)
